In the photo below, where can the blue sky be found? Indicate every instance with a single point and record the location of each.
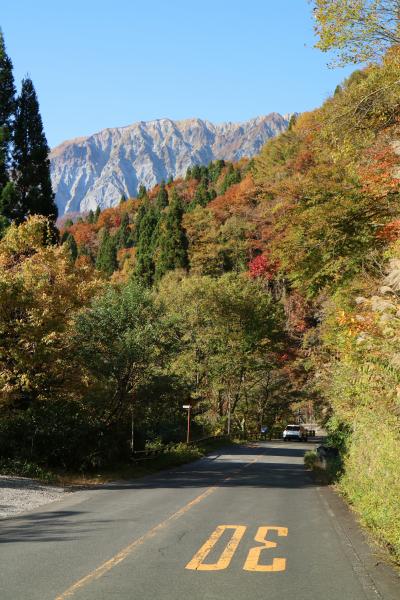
(98, 63)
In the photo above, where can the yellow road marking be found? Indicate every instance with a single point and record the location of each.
(278, 564)
(125, 552)
(196, 564)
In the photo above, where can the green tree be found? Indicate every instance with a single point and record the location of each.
(71, 245)
(162, 197)
(97, 214)
(118, 344)
(230, 330)
(90, 217)
(8, 199)
(146, 235)
(142, 193)
(172, 242)
(30, 162)
(106, 260)
(202, 196)
(7, 109)
(232, 176)
(196, 172)
(122, 199)
(123, 237)
(215, 169)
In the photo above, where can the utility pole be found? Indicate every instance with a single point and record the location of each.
(229, 417)
(132, 431)
(188, 408)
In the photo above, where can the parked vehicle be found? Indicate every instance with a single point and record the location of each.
(295, 432)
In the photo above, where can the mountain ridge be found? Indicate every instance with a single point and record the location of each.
(95, 170)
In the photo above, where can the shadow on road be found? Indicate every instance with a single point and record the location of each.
(275, 467)
(49, 526)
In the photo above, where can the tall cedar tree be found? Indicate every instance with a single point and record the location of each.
(71, 245)
(7, 109)
(30, 164)
(106, 260)
(147, 226)
(142, 193)
(162, 197)
(123, 237)
(172, 242)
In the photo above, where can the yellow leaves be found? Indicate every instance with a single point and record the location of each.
(30, 236)
(40, 291)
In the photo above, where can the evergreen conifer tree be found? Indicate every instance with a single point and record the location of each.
(147, 233)
(123, 237)
(106, 260)
(97, 214)
(172, 242)
(232, 176)
(72, 246)
(7, 109)
(196, 172)
(30, 162)
(142, 192)
(85, 251)
(122, 199)
(162, 197)
(90, 217)
(202, 196)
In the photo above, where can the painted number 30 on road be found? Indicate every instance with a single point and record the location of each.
(252, 562)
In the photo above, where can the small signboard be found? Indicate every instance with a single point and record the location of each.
(186, 406)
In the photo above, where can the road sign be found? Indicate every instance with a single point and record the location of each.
(186, 406)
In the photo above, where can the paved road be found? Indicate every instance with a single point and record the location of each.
(243, 523)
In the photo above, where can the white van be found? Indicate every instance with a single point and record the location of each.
(295, 432)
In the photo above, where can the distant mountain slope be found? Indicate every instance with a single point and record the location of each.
(96, 170)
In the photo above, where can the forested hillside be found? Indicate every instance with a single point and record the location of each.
(257, 291)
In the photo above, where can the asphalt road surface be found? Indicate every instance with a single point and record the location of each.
(244, 523)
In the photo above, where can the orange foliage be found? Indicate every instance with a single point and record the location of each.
(237, 200)
(109, 218)
(390, 232)
(84, 233)
(380, 171)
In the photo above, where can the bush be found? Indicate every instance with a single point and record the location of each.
(23, 468)
(310, 459)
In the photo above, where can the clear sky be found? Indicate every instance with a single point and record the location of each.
(107, 63)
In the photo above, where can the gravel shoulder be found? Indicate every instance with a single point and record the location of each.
(20, 494)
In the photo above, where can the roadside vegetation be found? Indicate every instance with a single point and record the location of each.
(258, 292)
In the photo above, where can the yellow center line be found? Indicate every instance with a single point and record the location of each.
(125, 552)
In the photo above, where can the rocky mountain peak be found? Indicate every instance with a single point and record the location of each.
(96, 170)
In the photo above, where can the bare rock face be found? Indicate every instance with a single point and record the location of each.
(96, 170)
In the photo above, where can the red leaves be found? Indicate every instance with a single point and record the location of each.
(262, 266)
(380, 173)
